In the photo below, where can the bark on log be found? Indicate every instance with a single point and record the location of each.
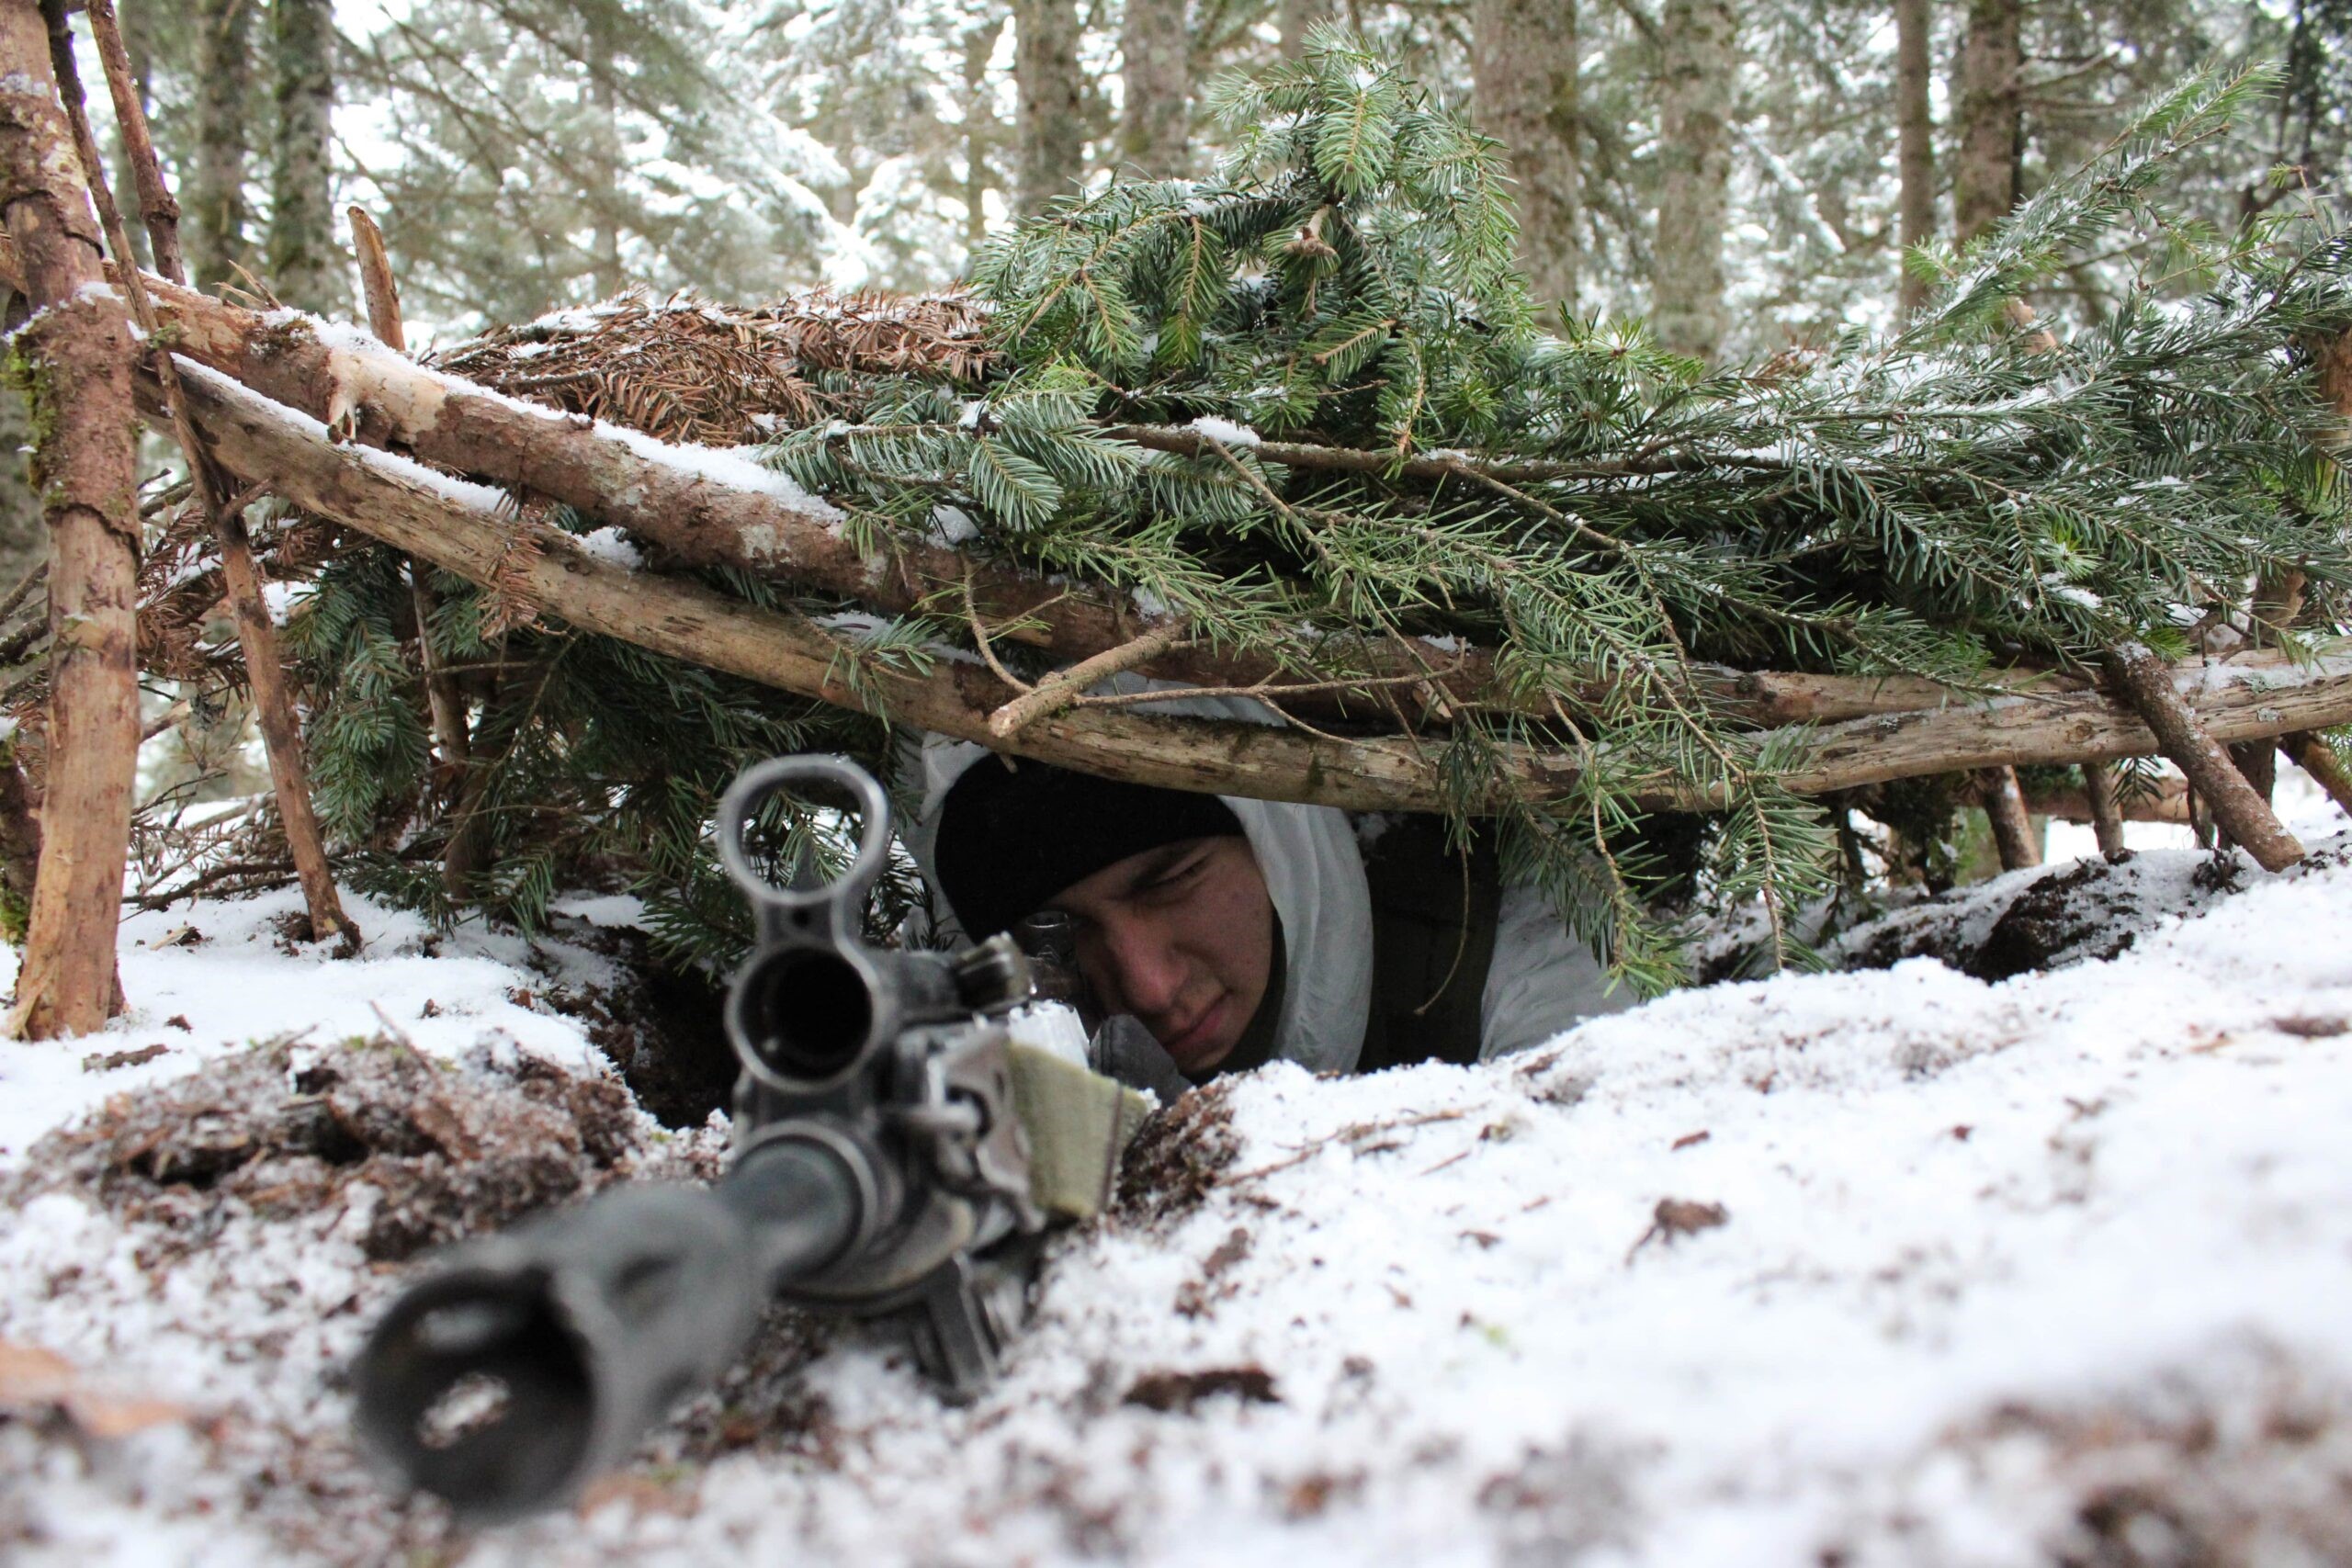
(367, 490)
(2197, 753)
(80, 349)
(700, 521)
(256, 637)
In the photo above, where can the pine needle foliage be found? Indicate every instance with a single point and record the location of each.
(1339, 297)
(1609, 517)
(595, 764)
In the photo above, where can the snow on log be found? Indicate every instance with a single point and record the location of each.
(461, 527)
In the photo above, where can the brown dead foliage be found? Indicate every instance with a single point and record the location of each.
(762, 1403)
(1198, 1298)
(39, 1385)
(283, 1129)
(1178, 1158)
(684, 369)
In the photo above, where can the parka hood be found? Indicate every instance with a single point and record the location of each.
(1314, 874)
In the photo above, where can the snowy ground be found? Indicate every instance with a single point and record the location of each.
(2050, 1270)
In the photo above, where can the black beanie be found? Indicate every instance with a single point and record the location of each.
(1011, 837)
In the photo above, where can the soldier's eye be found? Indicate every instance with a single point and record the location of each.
(1178, 876)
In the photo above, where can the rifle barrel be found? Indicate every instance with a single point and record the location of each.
(533, 1360)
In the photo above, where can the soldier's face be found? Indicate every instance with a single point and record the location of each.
(1182, 937)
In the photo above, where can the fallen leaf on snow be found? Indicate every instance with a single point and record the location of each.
(1182, 1391)
(1677, 1217)
(32, 1380)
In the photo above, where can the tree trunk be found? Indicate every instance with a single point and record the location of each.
(1984, 180)
(1294, 18)
(1698, 78)
(218, 216)
(306, 268)
(1155, 131)
(24, 543)
(981, 130)
(1916, 136)
(1524, 63)
(78, 351)
(1050, 126)
(607, 276)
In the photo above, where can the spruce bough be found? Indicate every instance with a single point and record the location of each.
(1605, 517)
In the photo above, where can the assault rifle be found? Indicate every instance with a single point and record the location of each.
(879, 1169)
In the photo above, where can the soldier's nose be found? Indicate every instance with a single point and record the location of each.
(1150, 972)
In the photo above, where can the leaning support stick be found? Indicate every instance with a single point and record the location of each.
(2242, 813)
(256, 637)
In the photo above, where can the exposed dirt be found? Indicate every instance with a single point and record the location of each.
(2090, 910)
(762, 1403)
(662, 1027)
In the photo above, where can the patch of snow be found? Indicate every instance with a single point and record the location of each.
(280, 598)
(1227, 433)
(1955, 1222)
(609, 544)
(952, 526)
(738, 468)
(408, 470)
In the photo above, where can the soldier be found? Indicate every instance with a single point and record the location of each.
(1240, 931)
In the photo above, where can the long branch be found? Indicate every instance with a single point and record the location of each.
(697, 519)
(258, 639)
(2261, 695)
(2197, 753)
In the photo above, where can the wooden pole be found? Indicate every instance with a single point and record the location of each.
(2105, 809)
(79, 351)
(1056, 693)
(256, 636)
(547, 569)
(2237, 809)
(2311, 754)
(464, 852)
(156, 204)
(2013, 836)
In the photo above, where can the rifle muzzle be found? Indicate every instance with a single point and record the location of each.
(534, 1360)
